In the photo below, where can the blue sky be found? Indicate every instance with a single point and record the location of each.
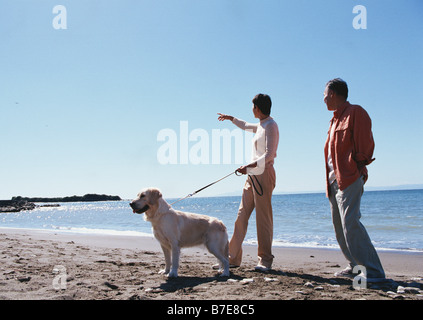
(81, 108)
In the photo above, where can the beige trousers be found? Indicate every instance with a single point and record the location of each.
(264, 218)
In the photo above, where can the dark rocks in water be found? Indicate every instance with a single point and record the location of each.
(15, 206)
(24, 203)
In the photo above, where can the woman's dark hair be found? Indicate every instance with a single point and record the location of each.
(263, 102)
(338, 86)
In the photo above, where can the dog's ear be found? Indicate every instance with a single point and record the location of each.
(155, 194)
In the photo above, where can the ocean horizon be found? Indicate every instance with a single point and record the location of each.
(393, 218)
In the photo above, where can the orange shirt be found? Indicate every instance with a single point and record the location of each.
(352, 145)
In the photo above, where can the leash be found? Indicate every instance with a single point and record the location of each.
(209, 185)
(254, 185)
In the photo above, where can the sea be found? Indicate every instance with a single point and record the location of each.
(393, 219)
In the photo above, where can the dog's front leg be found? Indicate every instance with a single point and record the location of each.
(175, 261)
(168, 261)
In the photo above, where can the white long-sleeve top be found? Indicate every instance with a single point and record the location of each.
(265, 142)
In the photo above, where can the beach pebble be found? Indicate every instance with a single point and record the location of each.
(400, 289)
(319, 288)
(308, 285)
(111, 285)
(416, 279)
(9, 272)
(301, 292)
(153, 290)
(245, 281)
(412, 290)
(24, 279)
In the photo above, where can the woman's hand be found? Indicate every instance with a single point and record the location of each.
(223, 117)
(243, 169)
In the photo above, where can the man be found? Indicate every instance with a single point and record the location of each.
(348, 150)
(258, 188)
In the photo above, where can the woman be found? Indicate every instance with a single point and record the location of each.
(258, 189)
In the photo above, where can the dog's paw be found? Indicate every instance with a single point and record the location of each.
(224, 274)
(172, 274)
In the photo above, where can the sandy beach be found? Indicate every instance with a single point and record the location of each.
(41, 265)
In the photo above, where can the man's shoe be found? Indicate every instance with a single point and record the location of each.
(261, 268)
(347, 272)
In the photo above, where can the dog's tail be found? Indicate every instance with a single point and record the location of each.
(221, 226)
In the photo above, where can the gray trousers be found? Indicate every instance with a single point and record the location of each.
(351, 235)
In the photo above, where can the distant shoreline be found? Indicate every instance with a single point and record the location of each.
(86, 198)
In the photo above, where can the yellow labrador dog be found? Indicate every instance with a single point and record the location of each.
(176, 229)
